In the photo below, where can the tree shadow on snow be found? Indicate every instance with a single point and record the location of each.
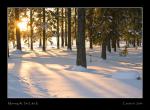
(90, 71)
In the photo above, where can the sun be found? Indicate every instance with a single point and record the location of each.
(23, 24)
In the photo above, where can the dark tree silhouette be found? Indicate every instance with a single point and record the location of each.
(69, 29)
(17, 29)
(57, 28)
(31, 28)
(81, 51)
(44, 47)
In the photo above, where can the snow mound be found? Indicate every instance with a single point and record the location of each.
(12, 76)
(126, 75)
(81, 69)
(17, 52)
(78, 68)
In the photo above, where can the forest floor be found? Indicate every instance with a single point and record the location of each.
(54, 74)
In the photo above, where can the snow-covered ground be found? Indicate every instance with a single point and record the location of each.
(54, 74)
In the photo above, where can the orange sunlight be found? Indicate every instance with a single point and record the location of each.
(23, 24)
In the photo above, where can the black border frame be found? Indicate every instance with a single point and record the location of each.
(75, 103)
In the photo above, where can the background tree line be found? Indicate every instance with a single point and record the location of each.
(105, 27)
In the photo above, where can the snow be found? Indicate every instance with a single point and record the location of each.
(132, 33)
(110, 20)
(78, 68)
(126, 75)
(17, 52)
(137, 33)
(54, 74)
(129, 30)
(110, 17)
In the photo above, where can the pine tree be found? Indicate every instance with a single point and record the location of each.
(66, 34)
(8, 51)
(109, 43)
(81, 51)
(103, 50)
(31, 28)
(44, 48)
(57, 28)
(90, 28)
(18, 38)
(75, 27)
(40, 24)
(62, 28)
(69, 29)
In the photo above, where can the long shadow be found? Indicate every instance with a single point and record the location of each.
(89, 71)
(61, 60)
(50, 60)
(109, 76)
(47, 60)
(127, 82)
(58, 54)
(15, 88)
(36, 53)
(22, 52)
(16, 70)
(137, 83)
(116, 66)
(50, 53)
(36, 84)
(16, 83)
(78, 86)
(39, 55)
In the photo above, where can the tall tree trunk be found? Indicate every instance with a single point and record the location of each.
(40, 41)
(114, 29)
(134, 42)
(91, 29)
(31, 28)
(91, 41)
(118, 44)
(28, 41)
(114, 44)
(57, 28)
(44, 48)
(62, 28)
(81, 51)
(114, 35)
(71, 40)
(126, 42)
(69, 29)
(138, 42)
(8, 51)
(109, 44)
(18, 38)
(103, 54)
(13, 42)
(66, 27)
(75, 20)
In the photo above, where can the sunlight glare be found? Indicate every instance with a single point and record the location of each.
(23, 24)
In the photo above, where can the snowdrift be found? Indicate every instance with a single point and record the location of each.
(78, 68)
(126, 75)
(17, 52)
